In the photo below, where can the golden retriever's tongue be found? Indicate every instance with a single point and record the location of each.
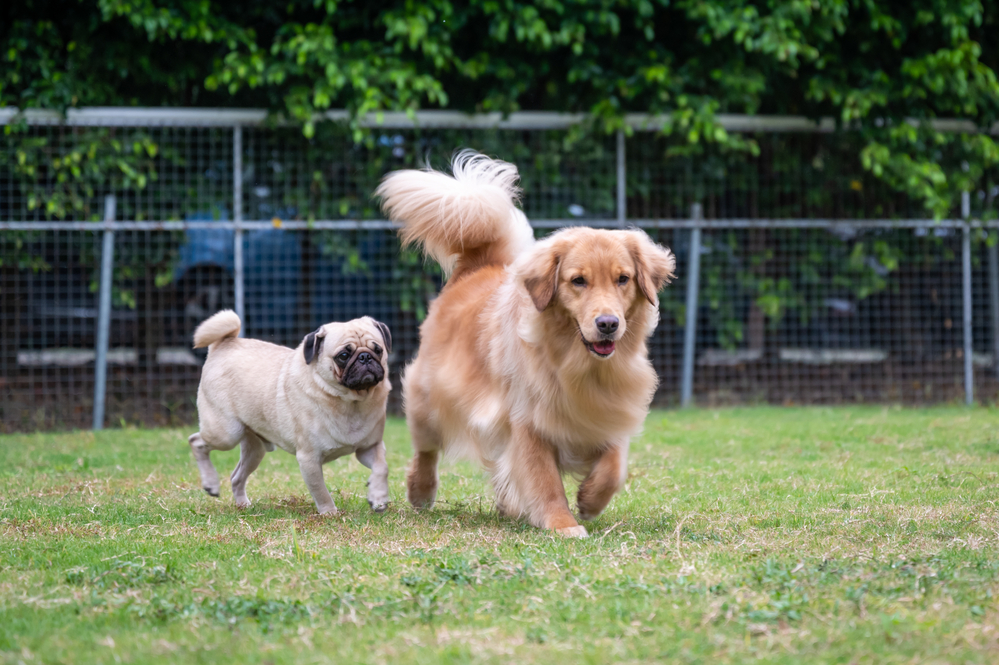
(604, 348)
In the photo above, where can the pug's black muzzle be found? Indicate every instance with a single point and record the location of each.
(363, 373)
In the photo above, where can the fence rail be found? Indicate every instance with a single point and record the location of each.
(527, 120)
(813, 307)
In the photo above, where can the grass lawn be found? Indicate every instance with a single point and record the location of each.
(763, 534)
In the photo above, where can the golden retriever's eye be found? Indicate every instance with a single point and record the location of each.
(579, 281)
(622, 280)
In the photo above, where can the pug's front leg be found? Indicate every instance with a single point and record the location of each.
(311, 467)
(374, 459)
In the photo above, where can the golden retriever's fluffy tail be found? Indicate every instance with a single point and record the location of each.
(471, 215)
(217, 327)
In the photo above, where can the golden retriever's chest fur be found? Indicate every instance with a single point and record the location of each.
(582, 412)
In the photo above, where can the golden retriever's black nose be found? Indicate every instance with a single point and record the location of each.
(607, 325)
(364, 357)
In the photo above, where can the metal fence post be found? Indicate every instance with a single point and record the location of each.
(993, 251)
(622, 191)
(969, 375)
(693, 285)
(237, 218)
(104, 314)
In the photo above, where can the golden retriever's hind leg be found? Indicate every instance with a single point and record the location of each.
(534, 482)
(421, 477)
(604, 480)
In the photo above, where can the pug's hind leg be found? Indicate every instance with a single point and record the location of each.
(311, 467)
(374, 459)
(209, 476)
(251, 452)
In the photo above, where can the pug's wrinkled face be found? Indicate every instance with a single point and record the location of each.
(352, 354)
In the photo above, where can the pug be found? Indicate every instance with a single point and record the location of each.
(323, 400)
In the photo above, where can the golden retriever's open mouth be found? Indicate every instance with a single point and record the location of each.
(602, 349)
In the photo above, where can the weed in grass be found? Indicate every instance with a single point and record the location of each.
(121, 574)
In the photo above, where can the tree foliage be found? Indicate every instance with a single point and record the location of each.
(882, 69)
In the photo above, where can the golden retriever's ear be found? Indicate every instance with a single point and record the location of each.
(541, 279)
(654, 265)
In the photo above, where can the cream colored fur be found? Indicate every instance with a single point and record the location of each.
(222, 325)
(504, 373)
(259, 395)
(449, 216)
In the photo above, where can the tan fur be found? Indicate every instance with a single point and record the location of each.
(217, 327)
(259, 395)
(503, 374)
(469, 217)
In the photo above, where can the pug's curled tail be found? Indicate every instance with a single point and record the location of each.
(463, 221)
(217, 327)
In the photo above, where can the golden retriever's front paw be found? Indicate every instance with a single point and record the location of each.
(573, 532)
(422, 497)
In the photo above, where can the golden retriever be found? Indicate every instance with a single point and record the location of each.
(532, 359)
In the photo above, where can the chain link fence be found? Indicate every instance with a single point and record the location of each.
(809, 282)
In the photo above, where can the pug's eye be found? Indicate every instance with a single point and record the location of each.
(622, 280)
(342, 357)
(377, 349)
(579, 281)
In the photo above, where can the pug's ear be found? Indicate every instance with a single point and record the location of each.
(386, 335)
(541, 278)
(313, 344)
